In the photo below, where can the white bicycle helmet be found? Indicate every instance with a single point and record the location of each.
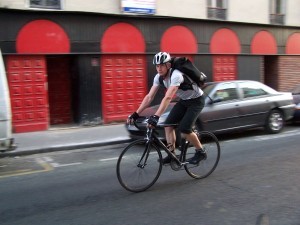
(161, 58)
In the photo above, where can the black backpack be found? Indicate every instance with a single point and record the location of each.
(185, 66)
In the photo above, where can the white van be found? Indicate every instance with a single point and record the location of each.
(6, 139)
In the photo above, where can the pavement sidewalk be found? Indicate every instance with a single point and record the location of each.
(68, 138)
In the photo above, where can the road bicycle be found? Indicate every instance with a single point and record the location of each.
(140, 163)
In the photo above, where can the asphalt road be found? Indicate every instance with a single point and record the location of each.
(256, 182)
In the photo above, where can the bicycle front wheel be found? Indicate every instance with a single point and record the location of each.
(139, 166)
(205, 167)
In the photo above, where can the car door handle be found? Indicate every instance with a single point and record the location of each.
(237, 105)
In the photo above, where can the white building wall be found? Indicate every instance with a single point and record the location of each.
(293, 13)
(13, 4)
(175, 8)
(248, 11)
(100, 6)
(185, 9)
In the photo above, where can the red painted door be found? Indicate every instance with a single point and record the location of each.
(224, 67)
(123, 85)
(28, 91)
(59, 89)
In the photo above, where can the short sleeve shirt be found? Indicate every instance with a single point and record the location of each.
(175, 80)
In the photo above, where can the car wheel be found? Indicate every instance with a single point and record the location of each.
(274, 122)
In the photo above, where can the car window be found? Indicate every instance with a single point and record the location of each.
(250, 89)
(225, 92)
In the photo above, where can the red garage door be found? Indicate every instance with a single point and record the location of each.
(123, 76)
(224, 41)
(224, 67)
(28, 73)
(123, 85)
(27, 83)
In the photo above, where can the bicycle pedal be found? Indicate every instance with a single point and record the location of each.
(175, 166)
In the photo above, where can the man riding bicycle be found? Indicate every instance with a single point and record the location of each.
(185, 112)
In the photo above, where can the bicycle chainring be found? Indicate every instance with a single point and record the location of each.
(174, 165)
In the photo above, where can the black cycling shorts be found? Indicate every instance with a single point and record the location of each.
(185, 113)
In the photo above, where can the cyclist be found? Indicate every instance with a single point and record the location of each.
(185, 112)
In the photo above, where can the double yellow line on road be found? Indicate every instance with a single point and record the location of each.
(46, 167)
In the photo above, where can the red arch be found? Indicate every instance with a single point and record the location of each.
(42, 36)
(225, 41)
(263, 43)
(179, 39)
(123, 38)
(293, 44)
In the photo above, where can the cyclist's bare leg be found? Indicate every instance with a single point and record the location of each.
(170, 137)
(193, 139)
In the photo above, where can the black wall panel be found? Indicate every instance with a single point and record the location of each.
(204, 64)
(87, 86)
(249, 67)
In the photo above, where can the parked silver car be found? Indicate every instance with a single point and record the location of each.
(296, 97)
(234, 105)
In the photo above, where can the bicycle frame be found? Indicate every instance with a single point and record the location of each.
(138, 170)
(152, 138)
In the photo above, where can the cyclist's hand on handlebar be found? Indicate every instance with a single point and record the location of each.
(152, 121)
(133, 117)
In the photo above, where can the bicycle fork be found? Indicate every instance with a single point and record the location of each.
(143, 161)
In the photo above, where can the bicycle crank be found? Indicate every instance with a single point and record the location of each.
(175, 166)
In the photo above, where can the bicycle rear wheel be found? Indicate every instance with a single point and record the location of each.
(207, 166)
(139, 166)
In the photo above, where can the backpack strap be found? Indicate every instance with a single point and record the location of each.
(161, 78)
(186, 85)
(161, 81)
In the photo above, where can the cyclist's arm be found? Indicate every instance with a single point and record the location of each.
(148, 99)
(166, 100)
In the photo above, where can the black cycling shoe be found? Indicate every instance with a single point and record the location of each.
(199, 155)
(166, 160)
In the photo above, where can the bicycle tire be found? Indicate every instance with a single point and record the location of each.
(207, 166)
(134, 174)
